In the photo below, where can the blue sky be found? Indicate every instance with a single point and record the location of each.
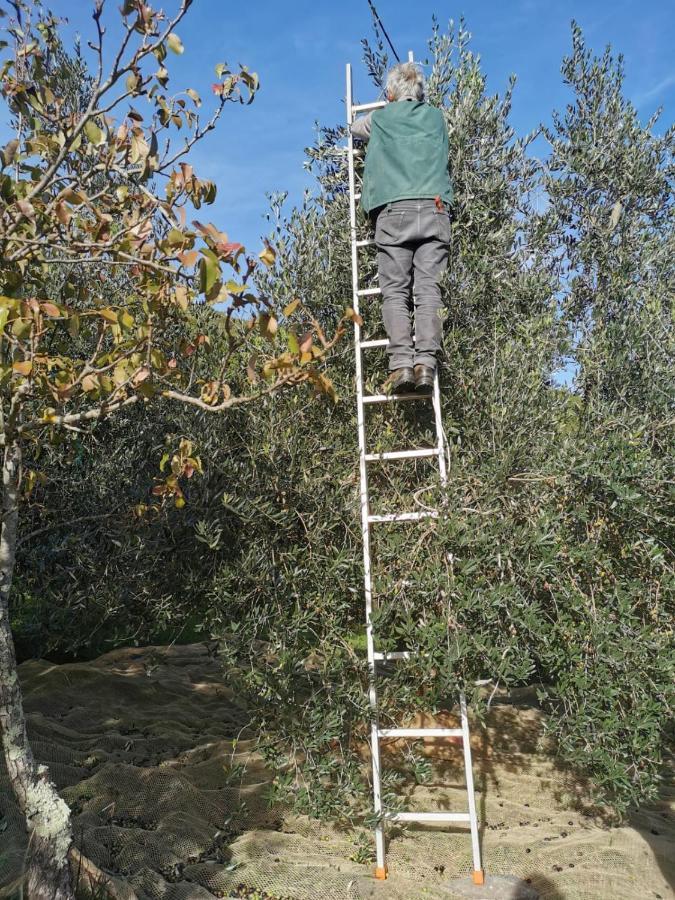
(300, 48)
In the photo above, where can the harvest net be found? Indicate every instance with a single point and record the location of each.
(149, 748)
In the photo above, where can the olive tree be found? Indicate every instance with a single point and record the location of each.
(551, 563)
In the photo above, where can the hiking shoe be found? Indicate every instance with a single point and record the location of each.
(401, 381)
(424, 379)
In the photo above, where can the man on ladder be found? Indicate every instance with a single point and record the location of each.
(407, 186)
(408, 193)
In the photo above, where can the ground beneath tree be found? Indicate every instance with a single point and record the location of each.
(168, 797)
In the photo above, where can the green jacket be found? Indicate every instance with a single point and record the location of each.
(407, 155)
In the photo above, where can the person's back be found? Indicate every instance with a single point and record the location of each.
(408, 192)
(407, 155)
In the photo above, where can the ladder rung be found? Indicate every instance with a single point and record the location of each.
(401, 454)
(405, 517)
(390, 398)
(427, 817)
(357, 195)
(368, 242)
(365, 107)
(420, 732)
(369, 292)
(380, 342)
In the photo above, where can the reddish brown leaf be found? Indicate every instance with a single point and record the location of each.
(229, 249)
(189, 259)
(62, 213)
(140, 376)
(250, 369)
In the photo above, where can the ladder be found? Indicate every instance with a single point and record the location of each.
(368, 520)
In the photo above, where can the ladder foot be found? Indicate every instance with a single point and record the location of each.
(381, 873)
(478, 876)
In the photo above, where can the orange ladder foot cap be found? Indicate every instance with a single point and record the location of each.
(381, 873)
(478, 876)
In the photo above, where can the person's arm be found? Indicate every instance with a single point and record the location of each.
(361, 127)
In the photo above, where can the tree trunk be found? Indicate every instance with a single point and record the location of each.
(47, 815)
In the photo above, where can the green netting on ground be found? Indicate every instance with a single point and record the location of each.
(146, 745)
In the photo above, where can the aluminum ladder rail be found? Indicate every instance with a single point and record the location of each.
(368, 520)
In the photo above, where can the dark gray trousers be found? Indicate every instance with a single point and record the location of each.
(412, 238)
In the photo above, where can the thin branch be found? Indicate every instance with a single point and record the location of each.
(197, 136)
(100, 412)
(292, 378)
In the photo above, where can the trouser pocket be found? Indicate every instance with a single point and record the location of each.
(442, 226)
(388, 227)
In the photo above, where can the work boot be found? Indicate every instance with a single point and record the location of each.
(401, 381)
(424, 379)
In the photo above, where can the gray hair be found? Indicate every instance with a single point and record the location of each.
(405, 82)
